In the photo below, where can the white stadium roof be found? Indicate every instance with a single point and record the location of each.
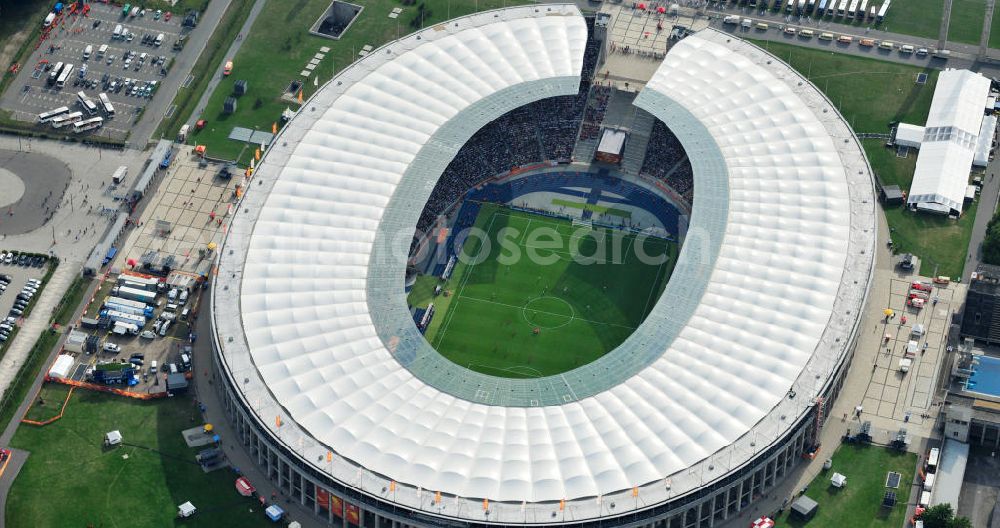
(949, 142)
(310, 316)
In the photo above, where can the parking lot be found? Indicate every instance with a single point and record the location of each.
(128, 71)
(18, 276)
(149, 343)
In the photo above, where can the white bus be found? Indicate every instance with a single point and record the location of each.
(106, 103)
(842, 8)
(52, 114)
(54, 73)
(66, 72)
(86, 103)
(67, 119)
(853, 9)
(88, 124)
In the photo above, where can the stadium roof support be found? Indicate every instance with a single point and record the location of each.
(310, 317)
(949, 143)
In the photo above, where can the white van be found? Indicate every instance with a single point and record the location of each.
(87, 51)
(906, 48)
(102, 50)
(184, 296)
(170, 308)
(164, 328)
(159, 39)
(152, 367)
(173, 368)
(117, 33)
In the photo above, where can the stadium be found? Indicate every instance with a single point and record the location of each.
(715, 392)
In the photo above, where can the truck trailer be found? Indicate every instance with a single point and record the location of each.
(135, 294)
(122, 317)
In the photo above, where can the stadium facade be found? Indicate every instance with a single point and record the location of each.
(711, 401)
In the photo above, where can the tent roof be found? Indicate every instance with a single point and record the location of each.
(949, 142)
(323, 342)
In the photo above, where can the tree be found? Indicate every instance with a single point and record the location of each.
(942, 516)
(939, 516)
(991, 242)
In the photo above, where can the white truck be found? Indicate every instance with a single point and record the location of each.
(905, 364)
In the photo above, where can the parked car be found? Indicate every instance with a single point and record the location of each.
(111, 347)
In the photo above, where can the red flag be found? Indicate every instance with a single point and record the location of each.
(353, 514)
(338, 506)
(322, 498)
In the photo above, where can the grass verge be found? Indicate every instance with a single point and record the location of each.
(966, 23)
(26, 374)
(215, 49)
(71, 300)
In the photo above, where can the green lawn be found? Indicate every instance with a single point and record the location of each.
(279, 47)
(921, 18)
(966, 24)
(581, 309)
(870, 93)
(995, 27)
(858, 504)
(70, 480)
(890, 168)
(940, 242)
(48, 402)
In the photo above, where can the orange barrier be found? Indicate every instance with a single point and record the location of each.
(107, 389)
(54, 418)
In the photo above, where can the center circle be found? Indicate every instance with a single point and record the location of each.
(548, 312)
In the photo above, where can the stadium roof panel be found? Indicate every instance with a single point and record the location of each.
(310, 315)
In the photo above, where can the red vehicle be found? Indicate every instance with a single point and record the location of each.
(915, 302)
(167, 15)
(244, 487)
(919, 294)
(923, 286)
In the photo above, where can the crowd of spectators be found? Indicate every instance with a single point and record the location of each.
(666, 161)
(540, 131)
(594, 114)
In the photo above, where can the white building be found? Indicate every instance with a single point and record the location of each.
(949, 143)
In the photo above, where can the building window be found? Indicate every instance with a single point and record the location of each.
(979, 317)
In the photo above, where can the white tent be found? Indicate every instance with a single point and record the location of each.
(186, 510)
(908, 135)
(985, 143)
(949, 142)
(838, 480)
(62, 366)
(113, 438)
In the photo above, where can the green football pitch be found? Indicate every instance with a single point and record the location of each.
(544, 296)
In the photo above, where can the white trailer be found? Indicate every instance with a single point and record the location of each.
(122, 317)
(135, 294)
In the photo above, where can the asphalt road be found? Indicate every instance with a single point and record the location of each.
(142, 132)
(988, 197)
(962, 55)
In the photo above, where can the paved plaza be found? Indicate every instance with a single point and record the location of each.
(188, 212)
